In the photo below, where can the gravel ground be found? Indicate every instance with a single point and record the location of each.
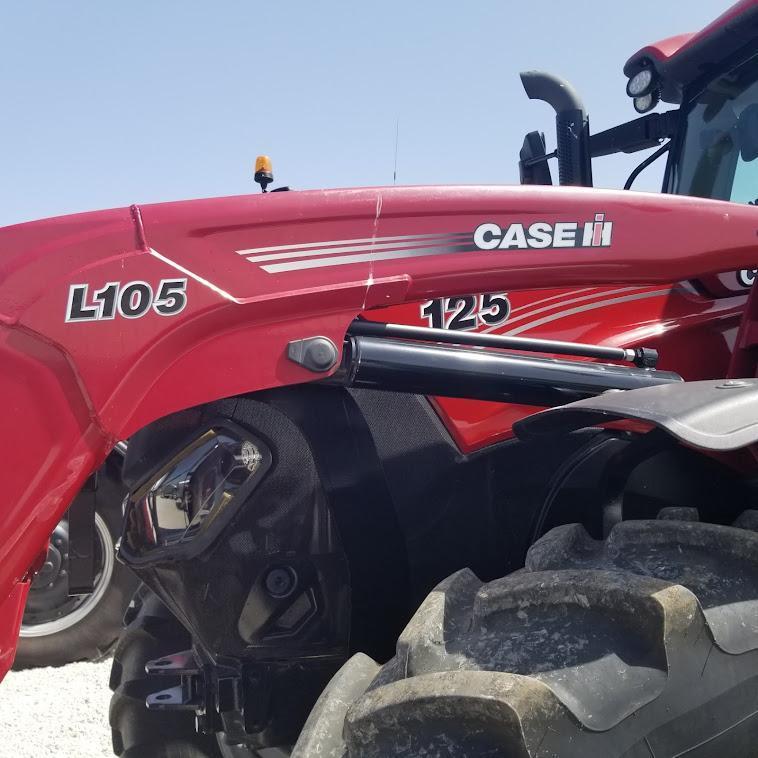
(57, 712)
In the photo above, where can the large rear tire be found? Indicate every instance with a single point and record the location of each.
(643, 644)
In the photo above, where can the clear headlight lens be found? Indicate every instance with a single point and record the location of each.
(640, 84)
(647, 102)
(190, 499)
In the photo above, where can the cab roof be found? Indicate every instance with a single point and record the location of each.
(683, 59)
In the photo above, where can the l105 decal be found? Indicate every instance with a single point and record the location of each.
(129, 300)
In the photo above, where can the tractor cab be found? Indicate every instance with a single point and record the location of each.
(717, 151)
(711, 138)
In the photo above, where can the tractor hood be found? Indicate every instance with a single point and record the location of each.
(150, 301)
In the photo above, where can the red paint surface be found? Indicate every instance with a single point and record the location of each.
(11, 613)
(70, 390)
(694, 335)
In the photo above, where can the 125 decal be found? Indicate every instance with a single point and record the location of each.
(466, 313)
(129, 300)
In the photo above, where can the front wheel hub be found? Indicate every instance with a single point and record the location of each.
(49, 608)
(51, 581)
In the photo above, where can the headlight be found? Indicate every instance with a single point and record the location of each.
(647, 102)
(641, 83)
(184, 505)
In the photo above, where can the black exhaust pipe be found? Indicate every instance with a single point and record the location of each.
(424, 369)
(571, 123)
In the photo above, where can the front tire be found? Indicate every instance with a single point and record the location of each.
(642, 644)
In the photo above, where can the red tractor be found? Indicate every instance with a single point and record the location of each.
(324, 423)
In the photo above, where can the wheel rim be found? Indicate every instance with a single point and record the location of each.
(80, 608)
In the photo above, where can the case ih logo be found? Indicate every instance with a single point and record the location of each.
(542, 235)
(278, 259)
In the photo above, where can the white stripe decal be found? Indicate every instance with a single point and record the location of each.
(550, 299)
(364, 240)
(441, 241)
(343, 260)
(583, 299)
(588, 307)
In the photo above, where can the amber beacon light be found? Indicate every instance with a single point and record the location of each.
(264, 175)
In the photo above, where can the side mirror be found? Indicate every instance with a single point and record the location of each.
(747, 132)
(533, 166)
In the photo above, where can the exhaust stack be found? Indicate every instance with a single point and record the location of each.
(571, 123)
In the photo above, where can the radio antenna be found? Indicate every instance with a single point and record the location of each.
(397, 135)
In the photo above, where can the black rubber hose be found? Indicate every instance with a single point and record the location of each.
(647, 162)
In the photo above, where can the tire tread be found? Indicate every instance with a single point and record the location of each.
(591, 649)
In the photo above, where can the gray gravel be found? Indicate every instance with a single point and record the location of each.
(57, 712)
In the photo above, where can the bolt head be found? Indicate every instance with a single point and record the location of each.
(320, 354)
(281, 582)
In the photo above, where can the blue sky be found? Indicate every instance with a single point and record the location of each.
(105, 104)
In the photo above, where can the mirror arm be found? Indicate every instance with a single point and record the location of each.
(533, 167)
(538, 159)
(639, 134)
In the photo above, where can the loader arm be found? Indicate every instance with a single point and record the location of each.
(717, 416)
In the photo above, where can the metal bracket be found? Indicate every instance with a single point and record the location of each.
(81, 535)
(181, 664)
(174, 699)
(190, 695)
(214, 693)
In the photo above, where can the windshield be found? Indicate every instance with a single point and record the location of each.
(719, 153)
